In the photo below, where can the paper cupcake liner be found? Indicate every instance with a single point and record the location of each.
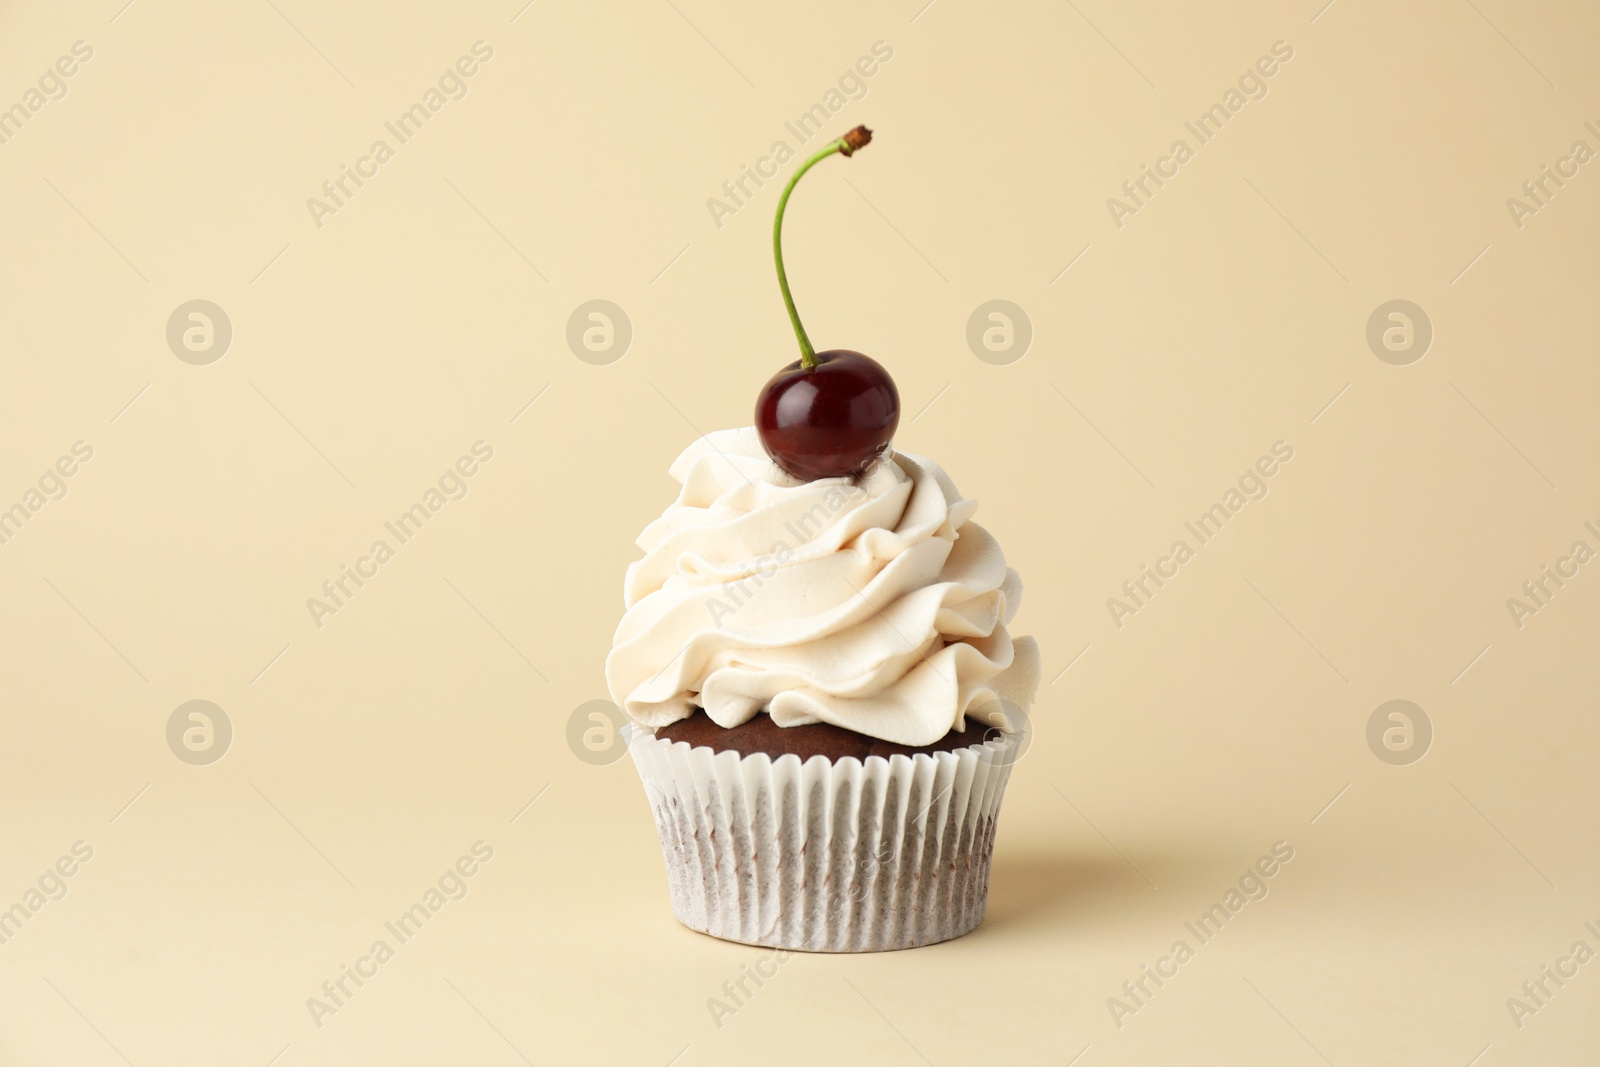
(825, 856)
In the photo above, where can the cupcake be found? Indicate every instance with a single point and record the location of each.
(816, 659)
(829, 698)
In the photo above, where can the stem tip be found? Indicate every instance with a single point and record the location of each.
(859, 137)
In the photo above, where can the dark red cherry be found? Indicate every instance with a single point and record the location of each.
(830, 420)
(829, 414)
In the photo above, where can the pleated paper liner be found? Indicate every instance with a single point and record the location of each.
(826, 856)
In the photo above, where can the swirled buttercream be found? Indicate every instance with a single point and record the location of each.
(874, 603)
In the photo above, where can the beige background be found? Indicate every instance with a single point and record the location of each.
(367, 354)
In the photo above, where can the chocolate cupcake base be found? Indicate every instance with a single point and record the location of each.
(846, 854)
(761, 734)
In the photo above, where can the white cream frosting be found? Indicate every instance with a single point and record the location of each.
(874, 604)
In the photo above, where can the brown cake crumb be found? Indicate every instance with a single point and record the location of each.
(761, 734)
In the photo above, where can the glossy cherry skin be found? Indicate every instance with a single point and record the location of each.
(831, 420)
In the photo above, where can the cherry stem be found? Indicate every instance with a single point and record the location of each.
(856, 138)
